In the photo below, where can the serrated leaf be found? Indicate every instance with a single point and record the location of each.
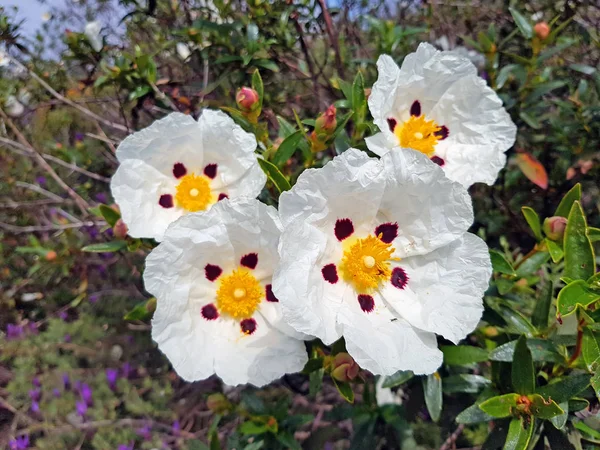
(400, 377)
(544, 408)
(576, 293)
(110, 215)
(278, 179)
(579, 253)
(565, 205)
(287, 148)
(533, 220)
(532, 169)
(519, 434)
(523, 376)
(105, 247)
(565, 388)
(500, 406)
(432, 388)
(500, 263)
(541, 350)
(522, 23)
(541, 312)
(461, 355)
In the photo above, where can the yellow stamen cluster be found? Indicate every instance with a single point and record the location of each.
(418, 134)
(239, 294)
(193, 193)
(366, 263)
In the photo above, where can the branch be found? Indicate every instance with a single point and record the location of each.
(452, 438)
(29, 229)
(332, 37)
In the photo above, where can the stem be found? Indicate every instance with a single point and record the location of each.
(578, 345)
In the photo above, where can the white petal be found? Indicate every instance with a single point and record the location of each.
(445, 288)
(385, 396)
(183, 50)
(382, 96)
(137, 188)
(381, 143)
(480, 131)
(431, 211)
(92, 32)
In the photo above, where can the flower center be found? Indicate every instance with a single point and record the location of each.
(366, 263)
(418, 134)
(193, 193)
(239, 294)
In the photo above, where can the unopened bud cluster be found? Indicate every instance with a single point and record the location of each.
(325, 126)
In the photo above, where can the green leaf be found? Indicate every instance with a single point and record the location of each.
(500, 406)
(576, 293)
(543, 89)
(565, 205)
(280, 181)
(288, 441)
(432, 388)
(359, 101)
(214, 442)
(266, 64)
(461, 355)
(523, 375)
(579, 253)
(590, 350)
(285, 128)
(312, 365)
(542, 408)
(257, 85)
(341, 125)
(105, 247)
(251, 427)
(593, 234)
(519, 434)
(239, 118)
(287, 148)
(541, 312)
(142, 311)
(533, 263)
(400, 377)
(315, 380)
(565, 388)
(465, 383)
(555, 250)
(473, 414)
(500, 263)
(110, 215)
(345, 390)
(582, 426)
(595, 383)
(560, 420)
(522, 23)
(533, 220)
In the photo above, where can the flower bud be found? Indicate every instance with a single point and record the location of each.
(344, 367)
(554, 227)
(218, 403)
(542, 30)
(51, 255)
(247, 100)
(120, 229)
(326, 122)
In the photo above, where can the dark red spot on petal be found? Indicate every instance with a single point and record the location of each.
(209, 312)
(179, 170)
(212, 272)
(270, 296)
(166, 201)
(439, 161)
(210, 171)
(343, 229)
(330, 273)
(250, 260)
(222, 196)
(366, 302)
(442, 133)
(399, 278)
(248, 326)
(392, 123)
(415, 109)
(388, 232)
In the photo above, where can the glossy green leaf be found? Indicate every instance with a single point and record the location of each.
(432, 388)
(595, 383)
(576, 293)
(579, 253)
(565, 388)
(280, 181)
(532, 264)
(500, 406)
(565, 205)
(593, 234)
(252, 428)
(142, 311)
(541, 312)
(586, 429)
(315, 381)
(400, 377)
(285, 128)
(287, 148)
(519, 434)
(559, 421)
(345, 390)
(473, 414)
(522, 23)
(110, 215)
(461, 355)
(555, 250)
(312, 365)
(544, 408)
(465, 383)
(359, 101)
(533, 220)
(288, 441)
(257, 85)
(523, 375)
(591, 350)
(105, 247)
(500, 263)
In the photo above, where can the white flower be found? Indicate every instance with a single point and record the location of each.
(385, 396)
(216, 312)
(46, 16)
(14, 108)
(178, 165)
(183, 50)
(376, 251)
(92, 32)
(436, 104)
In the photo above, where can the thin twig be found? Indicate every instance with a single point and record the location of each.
(11, 204)
(32, 228)
(332, 37)
(452, 438)
(164, 97)
(39, 190)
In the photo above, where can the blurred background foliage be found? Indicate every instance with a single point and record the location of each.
(77, 367)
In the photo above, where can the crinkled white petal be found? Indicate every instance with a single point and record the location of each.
(92, 32)
(445, 288)
(136, 188)
(175, 274)
(430, 210)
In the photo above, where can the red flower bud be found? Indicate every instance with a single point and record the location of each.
(120, 229)
(344, 367)
(542, 30)
(326, 122)
(554, 227)
(247, 99)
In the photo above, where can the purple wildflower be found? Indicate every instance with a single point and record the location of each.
(101, 197)
(35, 407)
(63, 315)
(111, 377)
(77, 385)
(86, 394)
(36, 382)
(145, 432)
(176, 428)
(94, 298)
(20, 443)
(32, 328)
(14, 331)
(79, 136)
(127, 370)
(35, 395)
(66, 381)
(41, 180)
(56, 392)
(91, 231)
(81, 408)
(67, 338)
